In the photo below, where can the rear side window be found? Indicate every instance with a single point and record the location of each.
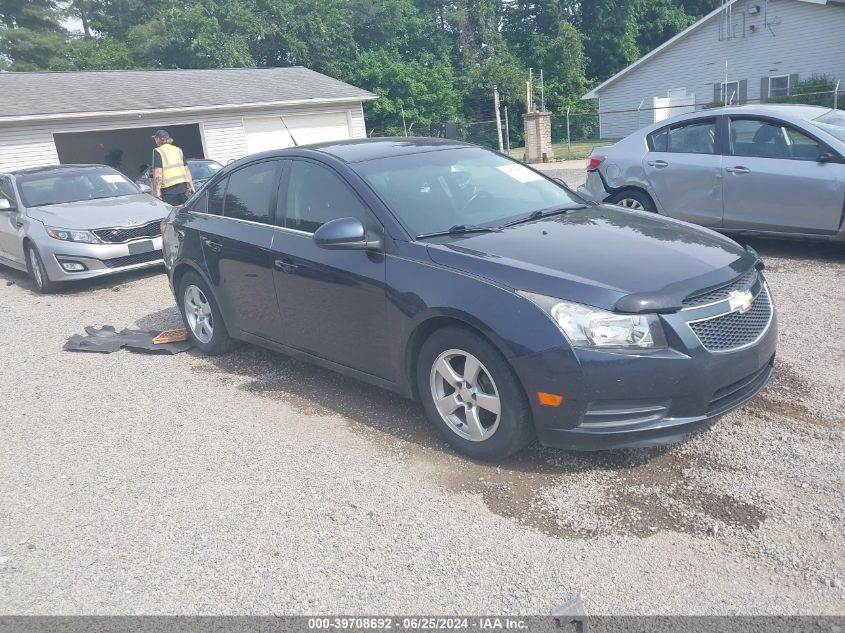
(250, 192)
(692, 137)
(215, 197)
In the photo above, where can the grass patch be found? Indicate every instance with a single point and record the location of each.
(576, 151)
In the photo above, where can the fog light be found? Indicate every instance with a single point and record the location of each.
(73, 267)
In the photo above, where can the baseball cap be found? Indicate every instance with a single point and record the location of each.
(161, 134)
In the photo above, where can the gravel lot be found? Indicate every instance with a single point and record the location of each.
(252, 483)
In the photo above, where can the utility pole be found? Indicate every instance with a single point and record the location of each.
(507, 132)
(498, 117)
(542, 92)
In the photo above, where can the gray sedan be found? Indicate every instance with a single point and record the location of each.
(775, 170)
(76, 222)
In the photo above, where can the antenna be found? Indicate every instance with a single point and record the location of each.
(295, 144)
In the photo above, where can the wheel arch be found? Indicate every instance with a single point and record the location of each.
(435, 322)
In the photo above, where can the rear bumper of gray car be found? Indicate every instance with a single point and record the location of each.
(97, 260)
(594, 188)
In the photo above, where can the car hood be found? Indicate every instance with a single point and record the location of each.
(602, 256)
(98, 214)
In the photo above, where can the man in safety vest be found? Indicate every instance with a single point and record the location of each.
(172, 180)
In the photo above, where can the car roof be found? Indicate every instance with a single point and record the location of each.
(786, 111)
(357, 150)
(54, 169)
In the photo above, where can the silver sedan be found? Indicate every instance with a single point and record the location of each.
(776, 170)
(73, 222)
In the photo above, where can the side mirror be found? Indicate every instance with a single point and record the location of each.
(144, 187)
(826, 156)
(344, 233)
(5, 205)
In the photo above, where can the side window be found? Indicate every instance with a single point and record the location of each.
(200, 204)
(695, 137)
(316, 195)
(768, 139)
(250, 192)
(659, 141)
(215, 197)
(6, 191)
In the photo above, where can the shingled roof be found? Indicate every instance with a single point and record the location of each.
(34, 95)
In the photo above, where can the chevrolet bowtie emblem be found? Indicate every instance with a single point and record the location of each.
(740, 300)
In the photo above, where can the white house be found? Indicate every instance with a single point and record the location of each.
(744, 52)
(109, 116)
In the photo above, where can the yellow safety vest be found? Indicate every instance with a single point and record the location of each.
(173, 170)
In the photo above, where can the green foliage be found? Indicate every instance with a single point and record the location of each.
(431, 60)
(815, 90)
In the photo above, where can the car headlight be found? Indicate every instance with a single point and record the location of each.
(586, 326)
(69, 235)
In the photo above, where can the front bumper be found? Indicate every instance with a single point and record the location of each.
(98, 259)
(617, 399)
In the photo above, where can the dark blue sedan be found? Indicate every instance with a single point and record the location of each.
(446, 272)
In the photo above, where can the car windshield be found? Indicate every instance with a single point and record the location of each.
(833, 123)
(203, 169)
(58, 187)
(437, 190)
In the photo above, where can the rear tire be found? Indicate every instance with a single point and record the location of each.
(634, 199)
(37, 271)
(471, 395)
(202, 316)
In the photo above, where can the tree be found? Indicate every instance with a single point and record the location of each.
(31, 34)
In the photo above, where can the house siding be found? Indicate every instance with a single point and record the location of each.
(30, 144)
(808, 39)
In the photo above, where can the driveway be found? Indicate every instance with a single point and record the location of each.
(252, 483)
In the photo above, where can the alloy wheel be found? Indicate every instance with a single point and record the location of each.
(465, 395)
(630, 203)
(35, 267)
(198, 314)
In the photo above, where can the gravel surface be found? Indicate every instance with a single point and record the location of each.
(252, 483)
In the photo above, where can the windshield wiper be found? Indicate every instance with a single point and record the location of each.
(545, 213)
(461, 229)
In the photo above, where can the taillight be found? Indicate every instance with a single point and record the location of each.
(594, 162)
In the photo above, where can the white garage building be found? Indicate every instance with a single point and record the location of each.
(108, 117)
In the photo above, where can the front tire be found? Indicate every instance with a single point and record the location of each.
(634, 199)
(471, 395)
(37, 271)
(202, 316)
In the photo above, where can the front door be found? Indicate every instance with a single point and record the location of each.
(684, 170)
(11, 223)
(233, 221)
(773, 180)
(332, 302)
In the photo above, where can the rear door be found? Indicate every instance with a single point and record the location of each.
(333, 302)
(235, 231)
(773, 180)
(684, 169)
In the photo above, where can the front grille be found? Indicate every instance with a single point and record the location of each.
(120, 235)
(132, 260)
(735, 329)
(720, 294)
(618, 413)
(729, 396)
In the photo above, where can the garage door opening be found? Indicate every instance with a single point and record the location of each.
(129, 150)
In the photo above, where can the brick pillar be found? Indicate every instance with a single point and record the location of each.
(538, 137)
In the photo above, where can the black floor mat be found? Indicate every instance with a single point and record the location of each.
(106, 340)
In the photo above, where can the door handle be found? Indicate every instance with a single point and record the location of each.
(212, 245)
(738, 170)
(285, 266)
(658, 163)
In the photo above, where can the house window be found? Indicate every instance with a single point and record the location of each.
(730, 93)
(779, 86)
